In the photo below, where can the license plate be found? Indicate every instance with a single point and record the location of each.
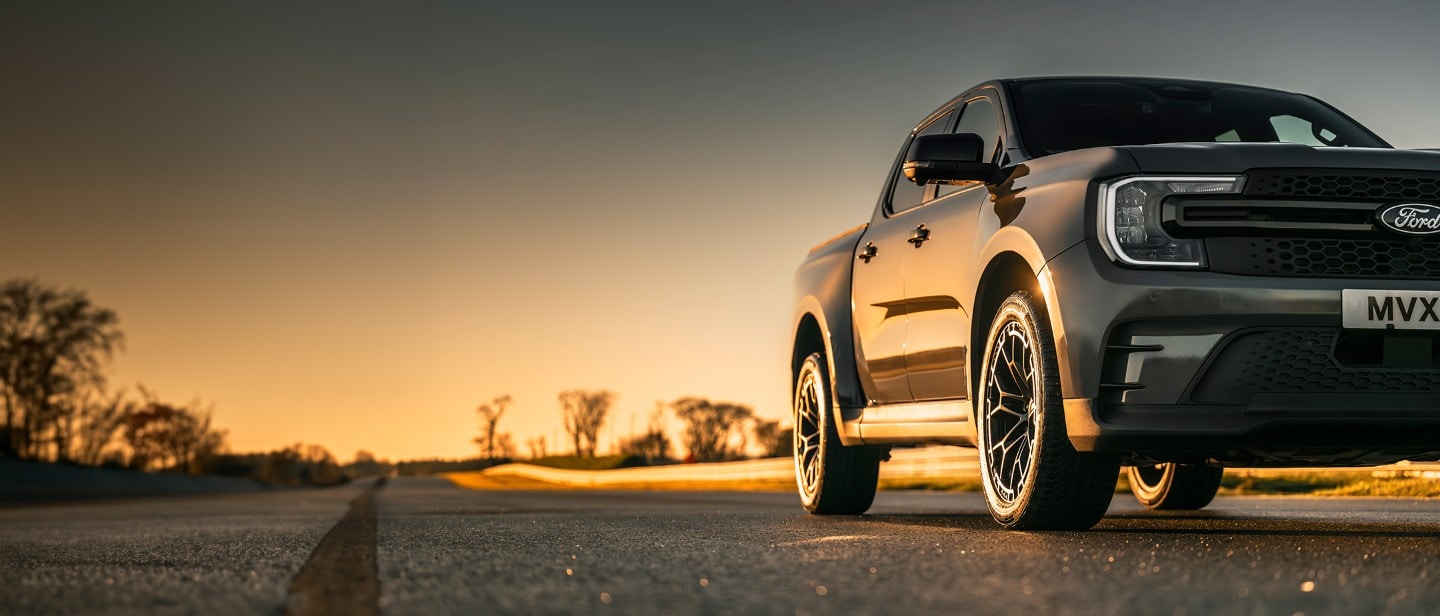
(1365, 309)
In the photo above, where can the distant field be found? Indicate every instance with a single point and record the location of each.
(1333, 483)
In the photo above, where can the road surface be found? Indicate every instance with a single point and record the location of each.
(421, 546)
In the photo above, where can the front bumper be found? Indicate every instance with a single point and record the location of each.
(1170, 365)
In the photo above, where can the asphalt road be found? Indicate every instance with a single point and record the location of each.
(435, 549)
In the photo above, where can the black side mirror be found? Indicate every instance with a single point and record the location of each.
(948, 159)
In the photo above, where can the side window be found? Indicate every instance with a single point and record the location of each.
(978, 117)
(905, 194)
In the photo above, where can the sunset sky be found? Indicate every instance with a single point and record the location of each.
(350, 223)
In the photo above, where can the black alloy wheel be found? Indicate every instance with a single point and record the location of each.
(1175, 486)
(1032, 476)
(832, 478)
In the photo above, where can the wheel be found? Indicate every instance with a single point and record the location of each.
(1032, 476)
(832, 478)
(1175, 486)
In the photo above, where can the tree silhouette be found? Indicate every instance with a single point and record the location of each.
(537, 447)
(775, 441)
(489, 420)
(584, 412)
(94, 421)
(53, 345)
(710, 425)
(164, 436)
(654, 444)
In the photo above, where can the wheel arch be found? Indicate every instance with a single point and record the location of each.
(1013, 262)
(809, 338)
(812, 333)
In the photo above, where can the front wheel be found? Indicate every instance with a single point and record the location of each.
(1175, 486)
(832, 478)
(1032, 475)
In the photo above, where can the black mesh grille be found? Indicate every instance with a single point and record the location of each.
(1298, 360)
(1380, 186)
(1258, 256)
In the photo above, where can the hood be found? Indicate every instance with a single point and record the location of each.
(1192, 158)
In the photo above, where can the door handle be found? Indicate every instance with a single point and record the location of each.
(919, 235)
(867, 253)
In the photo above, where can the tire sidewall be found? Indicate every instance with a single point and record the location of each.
(814, 367)
(1012, 310)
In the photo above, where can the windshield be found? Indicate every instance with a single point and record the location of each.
(1057, 116)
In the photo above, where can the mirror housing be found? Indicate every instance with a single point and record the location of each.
(948, 159)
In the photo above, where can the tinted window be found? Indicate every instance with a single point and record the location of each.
(905, 194)
(978, 117)
(1057, 116)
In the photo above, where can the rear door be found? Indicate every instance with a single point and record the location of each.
(878, 291)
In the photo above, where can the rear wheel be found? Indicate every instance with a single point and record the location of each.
(1032, 475)
(1175, 486)
(832, 478)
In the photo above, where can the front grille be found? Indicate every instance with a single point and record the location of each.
(1333, 258)
(1314, 223)
(1298, 360)
(1347, 184)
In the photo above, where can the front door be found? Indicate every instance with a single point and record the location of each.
(939, 272)
(938, 333)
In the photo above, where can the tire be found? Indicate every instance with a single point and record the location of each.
(1032, 476)
(1175, 486)
(832, 478)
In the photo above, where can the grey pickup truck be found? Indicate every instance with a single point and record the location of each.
(1083, 274)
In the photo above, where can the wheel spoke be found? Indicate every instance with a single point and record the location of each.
(1010, 392)
(1015, 434)
(1000, 408)
(809, 410)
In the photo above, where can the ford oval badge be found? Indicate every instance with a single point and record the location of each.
(1410, 218)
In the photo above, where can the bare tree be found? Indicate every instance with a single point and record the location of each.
(489, 419)
(710, 426)
(537, 447)
(654, 444)
(504, 447)
(164, 436)
(96, 422)
(53, 345)
(584, 412)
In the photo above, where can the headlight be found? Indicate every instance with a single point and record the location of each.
(1131, 216)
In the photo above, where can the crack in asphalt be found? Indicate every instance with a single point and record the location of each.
(342, 575)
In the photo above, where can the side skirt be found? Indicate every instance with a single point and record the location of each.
(918, 423)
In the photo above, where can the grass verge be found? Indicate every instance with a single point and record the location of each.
(475, 480)
(575, 463)
(1323, 483)
(1236, 483)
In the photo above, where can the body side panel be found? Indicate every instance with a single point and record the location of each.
(822, 291)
